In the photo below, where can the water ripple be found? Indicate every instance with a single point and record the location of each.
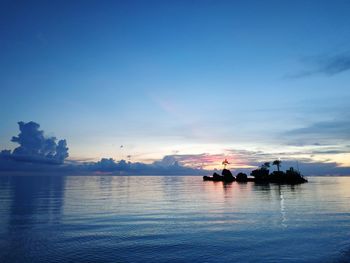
(172, 219)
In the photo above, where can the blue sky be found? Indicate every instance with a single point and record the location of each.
(182, 78)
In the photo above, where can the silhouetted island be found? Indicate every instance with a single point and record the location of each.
(225, 177)
(261, 175)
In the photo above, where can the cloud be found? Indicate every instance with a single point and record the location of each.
(177, 165)
(37, 153)
(169, 165)
(245, 161)
(328, 65)
(34, 146)
(333, 130)
(322, 168)
(201, 160)
(335, 65)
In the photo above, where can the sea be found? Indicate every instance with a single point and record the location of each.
(172, 219)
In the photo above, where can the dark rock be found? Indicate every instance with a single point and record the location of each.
(207, 178)
(228, 177)
(226, 172)
(242, 177)
(216, 178)
(225, 177)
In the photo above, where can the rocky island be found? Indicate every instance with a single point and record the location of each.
(260, 175)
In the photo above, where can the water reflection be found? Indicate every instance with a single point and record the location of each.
(36, 199)
(138, 219)
(35, 205)
(257, 198)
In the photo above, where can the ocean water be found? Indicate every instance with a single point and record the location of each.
(172, 219)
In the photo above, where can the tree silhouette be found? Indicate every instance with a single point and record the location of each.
(277, 163)
(265, 166)
(224, 163)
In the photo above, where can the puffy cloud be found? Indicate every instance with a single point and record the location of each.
(35, 147)
(166, 166)
(37, 153)
(168, 160)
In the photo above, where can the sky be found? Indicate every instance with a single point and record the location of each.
(197, 81)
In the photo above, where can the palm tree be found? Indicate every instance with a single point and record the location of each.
(277, 163)
(225, 162)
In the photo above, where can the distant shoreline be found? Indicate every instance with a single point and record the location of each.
(12, 173)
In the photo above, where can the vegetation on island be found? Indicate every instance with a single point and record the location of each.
(261, 175)
(290, 176)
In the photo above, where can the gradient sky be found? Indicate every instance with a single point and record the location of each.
(225, 78)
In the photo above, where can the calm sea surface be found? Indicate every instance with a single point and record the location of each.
(172, 219)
